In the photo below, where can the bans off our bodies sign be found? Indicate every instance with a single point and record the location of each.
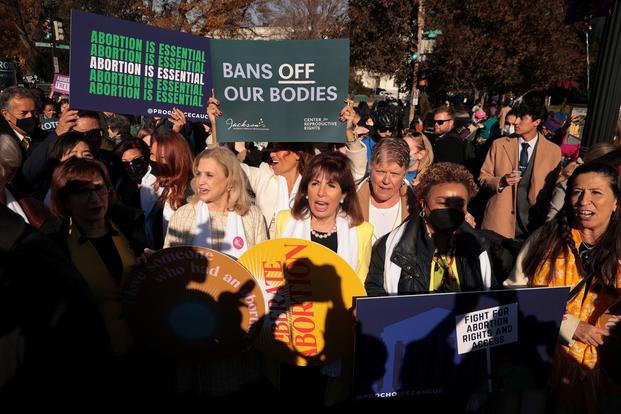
(269, 91)
(281, 91)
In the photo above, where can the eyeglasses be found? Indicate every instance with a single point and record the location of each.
(84, 193)
(441, 121)
(383, 130)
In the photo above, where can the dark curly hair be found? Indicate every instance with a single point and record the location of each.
(555, 239)
(445, 172)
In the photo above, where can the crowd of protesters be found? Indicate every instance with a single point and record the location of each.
(498, 202)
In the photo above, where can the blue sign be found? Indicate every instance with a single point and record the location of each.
(455, 343)
(132, 68)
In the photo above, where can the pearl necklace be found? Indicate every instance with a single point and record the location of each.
(324, 235)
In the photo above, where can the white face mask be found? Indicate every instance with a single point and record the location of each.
(508, 130)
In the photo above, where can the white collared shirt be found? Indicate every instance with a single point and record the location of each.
(13, 205)
(20, 136)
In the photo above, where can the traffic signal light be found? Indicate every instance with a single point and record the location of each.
(47, 29)
(414, 53)
(59, 34)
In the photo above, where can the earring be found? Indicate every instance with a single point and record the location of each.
(342, 200)
(306, 196)
(421, 214)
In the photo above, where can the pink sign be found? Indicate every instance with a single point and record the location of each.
(60, 84)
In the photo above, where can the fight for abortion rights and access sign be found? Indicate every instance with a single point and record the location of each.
(269, 90)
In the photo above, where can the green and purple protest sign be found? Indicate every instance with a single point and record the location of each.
(133, 68)
(269, 90)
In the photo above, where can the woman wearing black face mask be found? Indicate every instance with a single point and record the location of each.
(434, 250)
(135, 187)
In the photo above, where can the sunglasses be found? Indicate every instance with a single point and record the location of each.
(137, 160)
(440, 121)
(383, 130)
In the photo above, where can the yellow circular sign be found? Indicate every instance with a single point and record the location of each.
(193, 303)
(309, 291)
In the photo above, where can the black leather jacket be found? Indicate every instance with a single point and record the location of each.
(414, 254)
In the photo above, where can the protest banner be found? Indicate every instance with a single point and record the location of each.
(193, 303)
(132, 68)
(60, 84)
(49, 124)
(8, 73)
(309, 290)
(281, 90)
(268, 90)
(455, 343)
(576, 127)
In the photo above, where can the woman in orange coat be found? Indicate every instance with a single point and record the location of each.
(581, 248)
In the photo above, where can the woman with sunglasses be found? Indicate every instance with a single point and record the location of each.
(171, 163)
(135, 187)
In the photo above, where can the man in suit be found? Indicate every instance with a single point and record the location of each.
(520, 171)
(18, 107)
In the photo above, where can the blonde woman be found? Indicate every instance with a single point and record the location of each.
(421, 156)
(220, 215)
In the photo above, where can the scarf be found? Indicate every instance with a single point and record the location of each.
(284, 200)
(234, 242)
(148, 197)
(347, 237)
(565, 273)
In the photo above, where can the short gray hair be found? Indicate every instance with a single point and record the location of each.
(10, 156)
(16, 92)
(391, 150)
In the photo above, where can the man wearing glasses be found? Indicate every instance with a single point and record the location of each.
(447, 147)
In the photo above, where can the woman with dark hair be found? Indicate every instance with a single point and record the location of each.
(135, 186)
(326, 211)
(171, 163)
(434, 250)
(580, 247)
(68, 145)
(276, 182)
